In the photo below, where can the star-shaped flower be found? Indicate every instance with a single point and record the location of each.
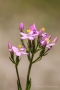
(16, 51)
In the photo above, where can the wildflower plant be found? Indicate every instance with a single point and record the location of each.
(38, 41)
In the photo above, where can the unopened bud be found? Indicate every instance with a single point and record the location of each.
(21, 26)
(9, 45)
(55, 39)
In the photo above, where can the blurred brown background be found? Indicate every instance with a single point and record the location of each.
(45, 13)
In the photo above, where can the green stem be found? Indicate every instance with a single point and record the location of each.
(36, 59)
(28, 75)
(23, 43)
(18, 79)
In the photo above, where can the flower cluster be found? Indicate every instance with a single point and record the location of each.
(15, 50)
(38, 40)
(33, 33)
(43, 39)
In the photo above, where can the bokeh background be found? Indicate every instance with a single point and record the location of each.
(45, 13)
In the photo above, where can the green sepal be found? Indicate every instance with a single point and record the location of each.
(27, 50)
(29, 44)
(38, 41)
(38, 49)
(12, 56)
(33, 46)
(45, 54)
(17, 60)
(42, 52)
(12, 60)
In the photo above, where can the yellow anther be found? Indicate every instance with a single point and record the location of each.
(47, 40)
(43, 29)
(20, 46)
(28, 30)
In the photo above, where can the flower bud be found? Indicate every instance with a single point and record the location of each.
(21, 26)
(55, 39)
(9, 45)
(10, 48)
(40, 32)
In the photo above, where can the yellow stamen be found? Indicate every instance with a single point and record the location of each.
(28, 30)
(20, 46)
(47, 40)
(43, 29)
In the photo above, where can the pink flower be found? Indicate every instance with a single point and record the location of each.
(18, 52)
(15, 50)
(30, 36)
(49, 46)
(32, 33)
(45, 42)
(26, 36)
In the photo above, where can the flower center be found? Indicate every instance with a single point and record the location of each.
(28, 30)
(19, 46)
(43, 29)
(47, 40)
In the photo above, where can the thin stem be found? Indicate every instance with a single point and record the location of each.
(28, 75)
(36, 60)
(18, 79)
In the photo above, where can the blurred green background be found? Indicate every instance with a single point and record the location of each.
(45, 13)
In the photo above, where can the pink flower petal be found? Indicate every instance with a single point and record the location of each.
(30, 38)
(18, 53)
(24, 53)
(14, 49)
(44, 34)
(52, 44)
(24, 37)
(10, 50)
(43, 43)
(55, 39)
(22, 49)
(48, 46)
(23, 34)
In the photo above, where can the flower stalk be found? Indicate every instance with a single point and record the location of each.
(18, 79)
(28, 74)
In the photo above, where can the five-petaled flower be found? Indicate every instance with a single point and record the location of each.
(32, 33)
(16, 51)
(45, 41)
